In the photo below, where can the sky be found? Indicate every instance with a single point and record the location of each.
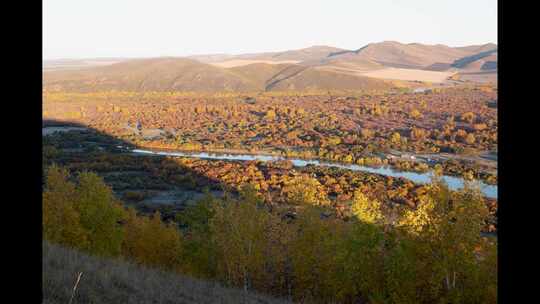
(143, 28)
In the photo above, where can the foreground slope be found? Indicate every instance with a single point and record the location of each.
(113, 281)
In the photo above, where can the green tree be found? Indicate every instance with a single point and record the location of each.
(100, 214)
(61, 221)
(239, 230)
(315, 253)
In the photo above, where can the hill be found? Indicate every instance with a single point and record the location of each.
(478, 48)
(65, 64)
(399, 55)
(316, 67)
(317, 52)
(157, 74)
(314, 78)
(181, 74)
(476, 60)
(114, 281)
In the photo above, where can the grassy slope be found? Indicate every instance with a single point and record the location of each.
(114, 281)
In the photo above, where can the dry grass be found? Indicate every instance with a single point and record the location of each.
(114, 281)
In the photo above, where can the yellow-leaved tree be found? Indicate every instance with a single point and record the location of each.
(304, 190)
(61, 221)
(83, 214)
(446, 229)
(150, 241)
(366, 210)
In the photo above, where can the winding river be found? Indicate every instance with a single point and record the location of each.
(454, 183)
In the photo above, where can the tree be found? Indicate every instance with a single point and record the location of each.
(415, 114)
(395, 138)
(365, 210)
(468, 117)
(239, 230)
(61, 221)
(366, 133)
(304, 190)
(314, 255)
(447, 227)
(199, 254)
(149, 241)
(270, 114)
(100, 214)
(470, 139)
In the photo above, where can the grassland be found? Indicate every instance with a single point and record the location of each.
(116, 281)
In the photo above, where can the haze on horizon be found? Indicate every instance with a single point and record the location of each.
(122, 28)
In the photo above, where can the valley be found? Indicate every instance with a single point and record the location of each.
(316, 175)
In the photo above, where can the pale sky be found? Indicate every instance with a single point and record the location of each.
(145, 28)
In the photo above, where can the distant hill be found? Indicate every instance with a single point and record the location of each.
(482, 57)
(158, 74)
(310, 53)
(317, 52)
(115, 281)
(312, 78)
(316, 67)
(478, 48)
(478, 67)
(181, 74)
(67, 64)
(399, 55)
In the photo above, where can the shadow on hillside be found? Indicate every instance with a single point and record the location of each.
(146, 182)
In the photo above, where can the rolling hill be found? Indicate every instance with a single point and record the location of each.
(181, 74)
(157, 74)
(399, 55)
(316, 67)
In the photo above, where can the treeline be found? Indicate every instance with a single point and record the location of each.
(434, 254)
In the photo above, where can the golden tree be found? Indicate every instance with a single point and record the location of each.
(304, 190)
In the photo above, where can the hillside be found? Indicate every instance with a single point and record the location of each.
(114, 281)
(313, 78)
(476, 60)
(317, 52)
(478, 48)
(399, 55)
(181, 74)
(316, 67)
(158, 74)
(260, 73)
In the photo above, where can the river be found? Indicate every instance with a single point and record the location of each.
(454, 183)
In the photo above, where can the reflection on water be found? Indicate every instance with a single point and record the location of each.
(454, 183)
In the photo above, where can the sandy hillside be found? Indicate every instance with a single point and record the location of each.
(409, 74)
